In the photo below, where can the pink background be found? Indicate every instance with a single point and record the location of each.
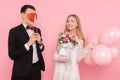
(95, 16)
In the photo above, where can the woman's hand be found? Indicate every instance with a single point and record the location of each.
(63, 58)
(92, 45)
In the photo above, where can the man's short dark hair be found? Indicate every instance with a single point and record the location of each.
(25, 7)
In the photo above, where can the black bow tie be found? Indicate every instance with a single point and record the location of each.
(28, 27)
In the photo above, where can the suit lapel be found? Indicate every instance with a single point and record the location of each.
(24, 32)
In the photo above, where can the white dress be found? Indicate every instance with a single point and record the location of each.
(69, 70)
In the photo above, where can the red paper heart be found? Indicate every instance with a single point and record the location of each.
(32, 16)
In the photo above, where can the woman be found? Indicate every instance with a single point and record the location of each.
(66, 67)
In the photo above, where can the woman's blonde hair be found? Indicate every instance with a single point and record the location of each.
(78, 28)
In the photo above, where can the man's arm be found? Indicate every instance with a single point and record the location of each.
(15, 52)
(41, 45)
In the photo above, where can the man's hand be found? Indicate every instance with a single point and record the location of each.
(38, 38)
(32, 39)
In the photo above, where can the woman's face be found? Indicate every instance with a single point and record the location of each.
(71, 23)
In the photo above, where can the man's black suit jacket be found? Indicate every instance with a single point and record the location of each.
(17, 51)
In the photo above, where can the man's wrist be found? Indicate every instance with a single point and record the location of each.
(27, 46)
(39, 42)
(41, 46)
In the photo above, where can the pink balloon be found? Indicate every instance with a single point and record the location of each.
(88, 59)
(92, 39)
(101, 55)
(115, 52)
(110, 36)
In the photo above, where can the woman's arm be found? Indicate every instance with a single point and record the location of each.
(82, 52)
(58, 57)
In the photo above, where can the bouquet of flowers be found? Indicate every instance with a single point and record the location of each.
(66, 38)
(66, 42)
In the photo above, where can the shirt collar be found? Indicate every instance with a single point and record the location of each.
(24, 25)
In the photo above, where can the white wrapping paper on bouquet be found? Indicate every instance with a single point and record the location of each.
(65, 49)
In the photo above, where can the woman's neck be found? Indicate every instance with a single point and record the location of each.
(73, 33)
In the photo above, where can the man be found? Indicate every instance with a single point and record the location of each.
(25, 47)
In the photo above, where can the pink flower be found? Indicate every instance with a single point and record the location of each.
(73, 38)
(65, 39)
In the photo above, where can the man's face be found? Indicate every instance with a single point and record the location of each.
(29, 16)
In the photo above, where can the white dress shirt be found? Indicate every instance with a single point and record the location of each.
(35, 56)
